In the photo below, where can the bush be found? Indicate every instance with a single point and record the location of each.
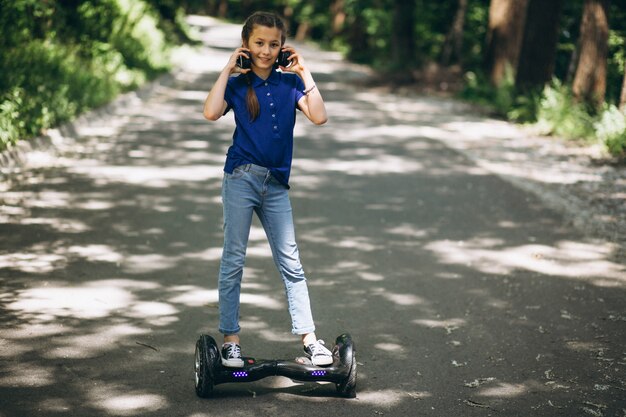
(554, 110)
(139, 40)
(504, 100)
(477, 88)
(59, 59)
(559, 114)
(10, 123)
(611, 130)
(51, 83)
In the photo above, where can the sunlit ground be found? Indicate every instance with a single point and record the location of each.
(463, 294)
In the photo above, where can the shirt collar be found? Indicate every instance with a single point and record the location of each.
(257, 81)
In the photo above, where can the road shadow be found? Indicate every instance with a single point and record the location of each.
(464, 295)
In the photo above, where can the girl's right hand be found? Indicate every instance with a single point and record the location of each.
(232, 62)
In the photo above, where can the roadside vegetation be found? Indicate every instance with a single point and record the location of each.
(59, 58)
(557, 65)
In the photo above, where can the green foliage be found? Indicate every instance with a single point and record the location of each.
(503, 99)
(377, 24)
(60, 58)
(10, 124)
(138, 38)
(504, 94)
(559, 114)
(525, 107)
(50, 83)
(554, 111)
(615, 65)
(477, 88)
(474, 34)
(611, 130)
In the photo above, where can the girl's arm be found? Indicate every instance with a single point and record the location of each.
(215, 105)
(312, 104)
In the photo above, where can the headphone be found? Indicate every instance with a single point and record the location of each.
(244, 62)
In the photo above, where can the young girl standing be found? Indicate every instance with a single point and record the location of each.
(256, 173)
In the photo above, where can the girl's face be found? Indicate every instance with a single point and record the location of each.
(264, 44)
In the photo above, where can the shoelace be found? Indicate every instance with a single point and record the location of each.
(234, 351)
(318, 348)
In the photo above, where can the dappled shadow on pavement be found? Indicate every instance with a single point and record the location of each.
(464, 295)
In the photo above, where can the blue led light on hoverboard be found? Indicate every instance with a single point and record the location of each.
(240, 374)
(318, 373)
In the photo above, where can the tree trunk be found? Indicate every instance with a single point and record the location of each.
(504, 37)
(541, 34)
(454, 39)
(403, 34)
(622, 98)
(573, 63)
(357, 38)
(288, 18)
(339, 16)
(590, 79)
(303, 31)
(222, 9)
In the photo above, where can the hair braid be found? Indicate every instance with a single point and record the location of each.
(252, 102)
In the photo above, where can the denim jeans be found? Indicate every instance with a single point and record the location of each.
(251, 188)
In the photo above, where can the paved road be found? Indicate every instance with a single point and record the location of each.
(465, 295)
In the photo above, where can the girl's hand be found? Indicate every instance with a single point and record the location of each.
(297, 62)
(232, 62)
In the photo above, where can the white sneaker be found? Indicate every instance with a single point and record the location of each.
(231, 355)
(318, 353)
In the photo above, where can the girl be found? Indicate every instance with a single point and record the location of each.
(256, 173)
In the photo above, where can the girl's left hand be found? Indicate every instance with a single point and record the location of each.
(297, 63)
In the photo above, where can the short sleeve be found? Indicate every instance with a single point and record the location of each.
(299, 90)
(228, 95)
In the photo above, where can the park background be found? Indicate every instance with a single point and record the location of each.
(479, 268)
(555, 65)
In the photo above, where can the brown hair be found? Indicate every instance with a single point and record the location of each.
(269, 20)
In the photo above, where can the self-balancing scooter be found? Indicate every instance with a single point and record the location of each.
(209, 370)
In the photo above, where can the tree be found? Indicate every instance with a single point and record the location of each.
(357, 38)
(538, 52)
(622, 98)
(453, 43)
(403, 33)
(217, 8)
(590, 79)
(504, 37)
(339, 16)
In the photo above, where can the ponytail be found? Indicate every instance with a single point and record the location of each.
(252, 102)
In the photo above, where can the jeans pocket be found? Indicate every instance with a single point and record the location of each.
(237, 173)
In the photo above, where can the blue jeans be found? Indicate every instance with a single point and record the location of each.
(251, 188)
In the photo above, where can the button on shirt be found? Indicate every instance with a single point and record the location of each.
(268, 140)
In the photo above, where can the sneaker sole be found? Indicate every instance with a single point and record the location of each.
(325, 361)
(232, 363)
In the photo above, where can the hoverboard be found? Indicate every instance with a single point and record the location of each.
(209, 370)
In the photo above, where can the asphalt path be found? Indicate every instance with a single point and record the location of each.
(464, 294)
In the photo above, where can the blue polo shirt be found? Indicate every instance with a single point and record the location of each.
(268, 140)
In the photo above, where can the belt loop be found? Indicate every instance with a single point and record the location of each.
(247, 167)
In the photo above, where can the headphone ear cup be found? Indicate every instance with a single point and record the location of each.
(282, 59)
